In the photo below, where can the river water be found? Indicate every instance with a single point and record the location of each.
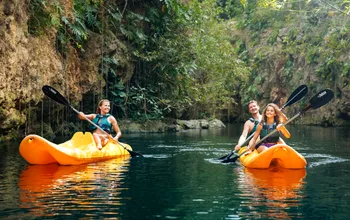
(179, 177)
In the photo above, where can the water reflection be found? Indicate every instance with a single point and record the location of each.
(173, 181)
(51, 190)
(271, 193)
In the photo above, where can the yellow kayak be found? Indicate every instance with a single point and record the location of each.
(279, 155)
(78, 150)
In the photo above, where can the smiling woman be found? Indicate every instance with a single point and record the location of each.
(106, 121)
(272, 118)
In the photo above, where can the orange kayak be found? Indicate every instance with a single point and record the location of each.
(80, 149)
(279, 155)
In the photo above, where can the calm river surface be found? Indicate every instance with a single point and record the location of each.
(180, 178)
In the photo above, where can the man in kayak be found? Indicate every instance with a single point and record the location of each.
(251, 124)
(105, 121)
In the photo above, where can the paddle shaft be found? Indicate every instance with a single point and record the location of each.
(252, 135)
(91, 122)
(275, 130)
(245, 142)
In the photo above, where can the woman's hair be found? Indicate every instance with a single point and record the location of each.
(278, 112)
(98, 110)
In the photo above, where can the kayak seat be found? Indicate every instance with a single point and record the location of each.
(83, 139)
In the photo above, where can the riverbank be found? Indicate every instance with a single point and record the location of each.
(155, 126)
(126, 126)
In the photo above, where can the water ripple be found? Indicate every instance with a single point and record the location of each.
(323, 159)
(157, 156)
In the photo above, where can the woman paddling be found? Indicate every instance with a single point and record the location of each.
(105, 121)
(272, 119)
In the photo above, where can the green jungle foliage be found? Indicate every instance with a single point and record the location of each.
(185, 64)
(289, 40)
(195, 59)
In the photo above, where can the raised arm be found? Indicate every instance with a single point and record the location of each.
(83, 116)
(282, 117)
(283, 130)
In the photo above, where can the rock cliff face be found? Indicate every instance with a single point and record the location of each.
(28, 62)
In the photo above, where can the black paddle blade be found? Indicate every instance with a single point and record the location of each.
(134, 154)
(298, 94)
(223, 157)
(226, 156)
(321, 98)
(230, 160)
(55, 95)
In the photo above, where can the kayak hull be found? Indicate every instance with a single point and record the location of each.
(279, 155)
(80, 149)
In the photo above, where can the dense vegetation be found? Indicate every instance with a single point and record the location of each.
(184, 62)
(200, 58)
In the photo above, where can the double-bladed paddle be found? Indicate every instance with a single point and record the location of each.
(298, 94)
(56, 96)
(318, 100)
